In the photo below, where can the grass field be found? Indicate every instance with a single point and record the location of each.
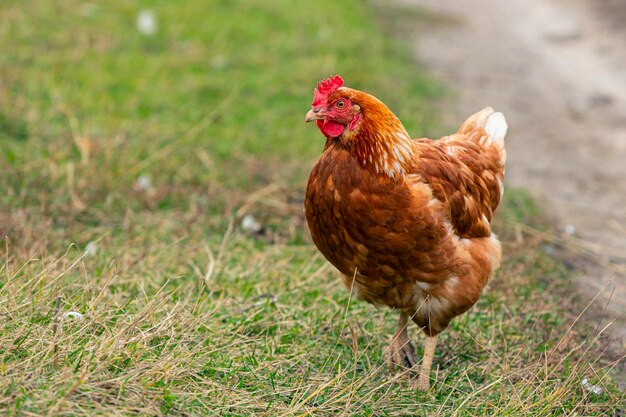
(128, 163)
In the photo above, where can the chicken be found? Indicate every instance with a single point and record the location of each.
(406, 221)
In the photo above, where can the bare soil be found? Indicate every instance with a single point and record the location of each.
(558, 72)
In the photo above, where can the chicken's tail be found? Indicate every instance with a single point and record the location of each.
(488, 128)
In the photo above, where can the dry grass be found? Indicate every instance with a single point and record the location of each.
(128, 164)
(272, 332)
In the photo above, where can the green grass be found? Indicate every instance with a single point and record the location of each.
(149, 150)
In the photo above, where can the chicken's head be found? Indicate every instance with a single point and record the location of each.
(333, 111)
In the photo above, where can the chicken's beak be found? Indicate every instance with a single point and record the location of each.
(314, 114)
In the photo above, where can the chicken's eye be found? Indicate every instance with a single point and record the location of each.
(340, 104)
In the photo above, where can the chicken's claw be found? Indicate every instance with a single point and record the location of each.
(401, 353)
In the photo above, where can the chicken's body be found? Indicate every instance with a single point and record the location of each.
(407, 221)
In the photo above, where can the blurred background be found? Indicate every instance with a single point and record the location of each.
(152, 170)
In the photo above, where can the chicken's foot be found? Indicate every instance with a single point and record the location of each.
(401, 351)
(423, 380)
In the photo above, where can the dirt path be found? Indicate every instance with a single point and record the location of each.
(558, 72)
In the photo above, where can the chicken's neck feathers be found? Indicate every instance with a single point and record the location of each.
(382, 145)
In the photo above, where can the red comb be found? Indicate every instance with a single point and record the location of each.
(324, 88)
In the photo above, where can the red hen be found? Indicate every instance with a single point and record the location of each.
(406, 221)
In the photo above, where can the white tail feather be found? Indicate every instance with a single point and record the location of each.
(496, 128)
(494, 125)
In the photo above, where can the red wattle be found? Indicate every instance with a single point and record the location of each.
(332, 129)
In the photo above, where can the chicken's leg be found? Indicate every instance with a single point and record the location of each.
(423, 380)
(401, 352)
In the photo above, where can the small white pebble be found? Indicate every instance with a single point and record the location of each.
(144, 183)
(249, 224)
(146, 22)
(570, 229)
(590, 387)
(72, 314)
(91, 249)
